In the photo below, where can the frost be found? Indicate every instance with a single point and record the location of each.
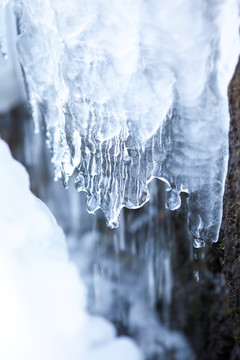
(43, 301)
(134, 90)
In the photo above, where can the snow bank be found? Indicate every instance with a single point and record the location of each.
(42, 303)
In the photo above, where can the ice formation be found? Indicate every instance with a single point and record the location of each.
(134, 90)
(12, 90)
(42, 303)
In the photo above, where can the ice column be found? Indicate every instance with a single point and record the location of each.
(134, 90)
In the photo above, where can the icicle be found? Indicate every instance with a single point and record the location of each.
(135, 90)
(3, 36)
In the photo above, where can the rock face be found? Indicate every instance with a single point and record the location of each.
(230, 234)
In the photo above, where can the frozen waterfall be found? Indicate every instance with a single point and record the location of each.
(130, 91)
(124, 94)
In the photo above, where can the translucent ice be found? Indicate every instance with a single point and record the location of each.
(3, 36)
(42, 303)
(11, 89)
(134, 90)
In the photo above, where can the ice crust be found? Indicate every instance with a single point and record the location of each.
(43, 301)
(134, 90)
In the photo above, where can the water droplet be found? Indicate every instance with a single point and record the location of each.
(198, 243)
(173, 199)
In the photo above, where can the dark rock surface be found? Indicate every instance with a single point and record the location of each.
(229, 242)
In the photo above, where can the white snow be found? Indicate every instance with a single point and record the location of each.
(43, 301)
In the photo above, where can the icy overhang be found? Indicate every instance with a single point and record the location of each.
(134, 90)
